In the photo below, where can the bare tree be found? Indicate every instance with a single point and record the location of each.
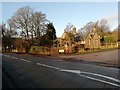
(38, 23)
(12, 30)
(69, 27)
(82, 32)
(103, 27)
(38, 26)
(80, 35)
(88, 27)
(21, 20)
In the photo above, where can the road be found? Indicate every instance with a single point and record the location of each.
(109, 57)
(30, 71)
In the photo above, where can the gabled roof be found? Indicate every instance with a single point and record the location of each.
(65, 34)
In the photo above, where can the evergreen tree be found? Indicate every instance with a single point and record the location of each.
(51, 32)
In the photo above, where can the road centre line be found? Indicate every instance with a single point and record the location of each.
(25, 60)
(48, 66)
(17, 58)
(14, 57)
(71, 71)
(7, 55)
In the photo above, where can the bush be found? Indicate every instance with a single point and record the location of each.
(40, 50)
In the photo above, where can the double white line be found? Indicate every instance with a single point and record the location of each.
(81, 73)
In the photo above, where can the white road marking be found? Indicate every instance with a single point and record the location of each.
(78, 72)
(72, 71)
(100, 80)
(17, 58)
(6, 55)
(14, 57)
(81, 72)
(61, 60)
(47, 66)
(25, 60)
(95, 74)
(39, 64)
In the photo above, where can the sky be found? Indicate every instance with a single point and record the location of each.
(62, 13)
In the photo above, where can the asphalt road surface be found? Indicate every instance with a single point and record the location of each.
(30, 71)
(109, 57)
